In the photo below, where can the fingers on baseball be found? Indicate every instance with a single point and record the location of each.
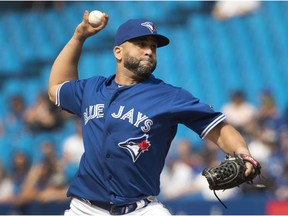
(104, 21)
(85, 16)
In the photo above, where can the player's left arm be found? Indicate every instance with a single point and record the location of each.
(230, 141)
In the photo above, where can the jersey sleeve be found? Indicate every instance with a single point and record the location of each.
(198, 116)
(69, 96)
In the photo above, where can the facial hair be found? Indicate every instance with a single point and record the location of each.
(134, 65)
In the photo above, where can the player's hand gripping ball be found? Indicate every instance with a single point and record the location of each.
(95, 18)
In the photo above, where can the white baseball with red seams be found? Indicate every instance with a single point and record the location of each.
(95, 18)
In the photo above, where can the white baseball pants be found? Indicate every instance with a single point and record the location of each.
(78, 207)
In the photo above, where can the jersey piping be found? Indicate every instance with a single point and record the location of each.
(57, 102)
(212, 125)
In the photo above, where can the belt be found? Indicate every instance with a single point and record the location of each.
(118, 210)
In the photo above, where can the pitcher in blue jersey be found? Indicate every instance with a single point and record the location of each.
(128, 121)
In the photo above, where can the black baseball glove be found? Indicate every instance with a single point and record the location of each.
(231, 173)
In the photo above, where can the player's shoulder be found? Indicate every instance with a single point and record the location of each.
(171, 87)
(161, 83)
(175, 93)
(90, 82)
(96, 79)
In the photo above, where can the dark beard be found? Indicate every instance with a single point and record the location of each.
(141, 71)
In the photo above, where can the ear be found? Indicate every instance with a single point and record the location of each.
(118, 52)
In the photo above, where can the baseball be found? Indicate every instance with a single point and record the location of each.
(95, 18)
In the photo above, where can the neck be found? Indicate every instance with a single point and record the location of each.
(127, 79)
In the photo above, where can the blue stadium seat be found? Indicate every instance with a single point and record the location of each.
(5, 150)
(55, 28)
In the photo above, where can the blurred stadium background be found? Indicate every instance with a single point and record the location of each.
(209, 57)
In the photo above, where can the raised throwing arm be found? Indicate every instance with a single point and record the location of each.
(65, 66)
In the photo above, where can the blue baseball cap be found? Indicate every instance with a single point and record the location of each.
(135, 28)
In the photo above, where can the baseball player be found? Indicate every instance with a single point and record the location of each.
(128, 121)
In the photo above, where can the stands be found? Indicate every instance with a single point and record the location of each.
(218, 55)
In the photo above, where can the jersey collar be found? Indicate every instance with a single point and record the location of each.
(112, 77)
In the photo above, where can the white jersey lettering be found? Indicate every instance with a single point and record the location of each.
(118, 115)
(130, 116)
(147, 125)
(94, 111)
(140, 118)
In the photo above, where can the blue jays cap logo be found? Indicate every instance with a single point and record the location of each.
(136, 146)
(150, 26)
(134, 28)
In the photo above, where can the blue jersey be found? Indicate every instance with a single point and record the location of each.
(127, 132)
